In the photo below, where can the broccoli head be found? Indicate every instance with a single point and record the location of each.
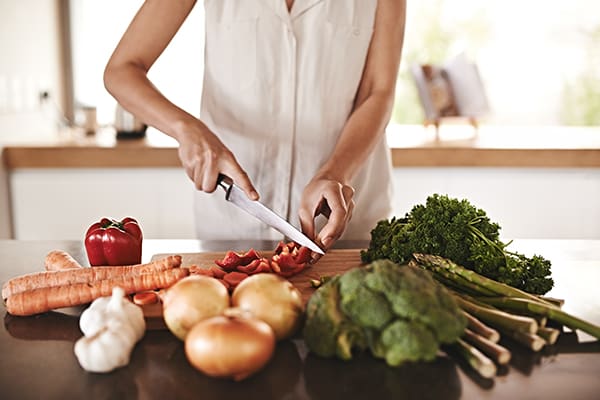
(361, 304)
(328, 332)
(397, 311)
(415, 295)
(404, 341)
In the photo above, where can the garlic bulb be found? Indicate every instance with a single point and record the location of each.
(111, 327)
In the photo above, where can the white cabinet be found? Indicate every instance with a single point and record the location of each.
(526, 202)
(62, 203)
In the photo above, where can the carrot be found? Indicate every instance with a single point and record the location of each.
(83, 275)
(58, 260)
(144, 298)
(39, 300)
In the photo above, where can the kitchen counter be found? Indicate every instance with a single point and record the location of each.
(38, 361)
(412, 146)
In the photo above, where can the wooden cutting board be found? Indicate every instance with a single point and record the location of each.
(332, 263)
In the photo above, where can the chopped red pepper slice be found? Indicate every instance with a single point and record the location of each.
(234, 278)
(275, 266)
(304, 255)
(263, 267)
(217, 272)
(227, 285)
(232, 259)
(293, 270)
(254, 266)
(250, 255)
(288, 259)
(287, 262)
(283, 247)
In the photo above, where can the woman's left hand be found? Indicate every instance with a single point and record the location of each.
(334, 200)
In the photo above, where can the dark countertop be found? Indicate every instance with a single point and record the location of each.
(37, 359)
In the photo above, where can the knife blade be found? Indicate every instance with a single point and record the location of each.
(237, 196)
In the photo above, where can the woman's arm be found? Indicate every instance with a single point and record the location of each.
(329, 191)
(202, 154)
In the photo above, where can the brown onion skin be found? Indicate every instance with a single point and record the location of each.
(191, 300)
(272, 299)
(234, 345)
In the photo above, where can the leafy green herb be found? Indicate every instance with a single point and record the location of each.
(457, 230)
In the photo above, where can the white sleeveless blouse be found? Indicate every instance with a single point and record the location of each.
(278, 89)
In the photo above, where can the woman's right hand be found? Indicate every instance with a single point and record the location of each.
(202, 154)
(204, 157)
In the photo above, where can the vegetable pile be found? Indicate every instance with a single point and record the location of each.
(484, 292)
(398, 312)
(457, 230)
(405, 313)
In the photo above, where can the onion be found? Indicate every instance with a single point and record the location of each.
(232, 345)
(191, 300)
(272, 299)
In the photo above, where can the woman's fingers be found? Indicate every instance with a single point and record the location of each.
(331, 199)
(204, 157)
(336, 224)
(241, 179)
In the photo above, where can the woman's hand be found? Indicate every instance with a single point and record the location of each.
(204, 156)
(331, 198)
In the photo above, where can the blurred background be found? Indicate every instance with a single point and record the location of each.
(539, 61)
(537, 67)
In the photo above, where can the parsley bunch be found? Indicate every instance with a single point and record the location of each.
(457, 230)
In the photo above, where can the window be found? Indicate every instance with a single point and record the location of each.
(97, 26)
(538, 59)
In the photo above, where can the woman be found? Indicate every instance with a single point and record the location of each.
(296, 97)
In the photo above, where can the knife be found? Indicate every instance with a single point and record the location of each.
(255, 208)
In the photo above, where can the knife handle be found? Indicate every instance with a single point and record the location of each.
(225, 182)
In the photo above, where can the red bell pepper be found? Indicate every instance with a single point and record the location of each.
(111, 242)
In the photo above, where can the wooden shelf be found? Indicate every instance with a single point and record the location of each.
(411, 146)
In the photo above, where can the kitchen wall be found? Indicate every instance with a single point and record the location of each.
(31, 64)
